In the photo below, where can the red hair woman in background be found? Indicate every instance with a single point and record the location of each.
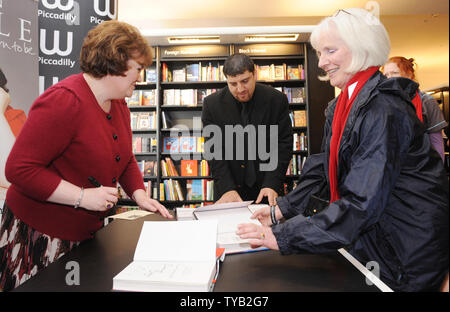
(427, 108)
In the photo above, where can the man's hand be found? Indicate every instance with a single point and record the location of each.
(229, 197)
(271, 196)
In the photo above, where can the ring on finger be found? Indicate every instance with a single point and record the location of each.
(262, 235)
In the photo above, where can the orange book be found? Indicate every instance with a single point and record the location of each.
(189, 168)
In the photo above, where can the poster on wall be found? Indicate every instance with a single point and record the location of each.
(18, 73)
(63, 24)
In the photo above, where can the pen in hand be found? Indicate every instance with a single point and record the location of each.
(97, 184)
(94, 181)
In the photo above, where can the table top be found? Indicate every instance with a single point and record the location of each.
(112, 249)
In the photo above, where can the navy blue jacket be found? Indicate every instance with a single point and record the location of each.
(394, 192)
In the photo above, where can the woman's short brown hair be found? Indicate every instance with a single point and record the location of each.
(108, 47)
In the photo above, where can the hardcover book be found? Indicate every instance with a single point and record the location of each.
(189, 168)
(171, 145)
(188, 144)
(300, 118)
(228, 217)
(181, 260)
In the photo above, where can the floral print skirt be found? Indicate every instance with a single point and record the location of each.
(25, 251)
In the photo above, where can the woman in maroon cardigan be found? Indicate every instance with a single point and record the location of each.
(77, 129)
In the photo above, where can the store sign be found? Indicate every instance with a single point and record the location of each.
(275, 49)
(195, 51)
(63, 24)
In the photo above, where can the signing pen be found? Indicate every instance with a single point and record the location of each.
(94, 181)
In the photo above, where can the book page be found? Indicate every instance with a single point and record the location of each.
(228, 220)
(177, 241)
(131, 214)
(167, 272)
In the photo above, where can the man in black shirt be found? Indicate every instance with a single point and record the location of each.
(250, 155)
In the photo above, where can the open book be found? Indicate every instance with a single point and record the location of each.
(172, 256)
(229, 216)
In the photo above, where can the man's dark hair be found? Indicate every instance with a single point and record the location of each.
(3, 81)
(237, 64)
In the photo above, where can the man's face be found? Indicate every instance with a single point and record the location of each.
(242, 86)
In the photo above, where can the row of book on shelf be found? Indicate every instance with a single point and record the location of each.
(196, 190)
(186, 97)
(142, 98)
(296, 95)
(186, 168)
(148, 75)
(296, 165)
(183, 144)
(201, 190)
(194, 97)
(142, 144)
(201, 71)
(298, 118)
(300, 142)
(280, 72)
(143, 120)
(213, 71)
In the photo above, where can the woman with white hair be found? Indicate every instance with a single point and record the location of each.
(376, 189)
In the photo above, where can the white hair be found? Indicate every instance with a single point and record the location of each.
(362, 32)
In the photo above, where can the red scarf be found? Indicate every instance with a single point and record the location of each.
(343, 106)
(418, 105)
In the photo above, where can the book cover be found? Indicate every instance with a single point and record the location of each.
(297, 95)
(169, 97)
(196, 190)
(179, 75)
(148, 98)
(264, 72)
(188, 144)
(135, 98)
(293, 72)
(149, 168)
(158, 266)
(192, 72)
(189, 168)
(279, 72)
(171, 145)
(150, 74)
(300, 118)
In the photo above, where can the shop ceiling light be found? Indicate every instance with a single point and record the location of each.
(194, 39)
(271, 38)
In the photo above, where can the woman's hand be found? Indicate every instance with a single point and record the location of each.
(146, 203)
(259, 235)
(263, 215)
(99, 198)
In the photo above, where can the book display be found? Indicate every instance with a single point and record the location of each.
(166, 114)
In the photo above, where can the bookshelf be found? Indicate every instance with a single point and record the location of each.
(168, 105)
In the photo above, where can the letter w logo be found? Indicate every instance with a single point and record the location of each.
(107, 11)
(57, 5)
(55, 43)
